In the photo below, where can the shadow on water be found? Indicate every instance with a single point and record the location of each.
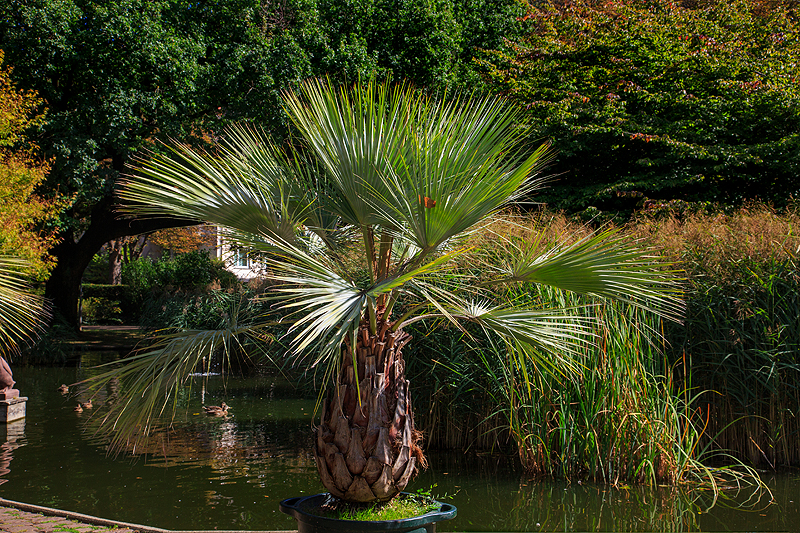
(231, 472)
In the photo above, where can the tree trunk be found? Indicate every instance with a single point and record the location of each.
(367, 451)
(64, 284)
(115, 262)
(73, 256)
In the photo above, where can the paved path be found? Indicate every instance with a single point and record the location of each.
(17, 517)
(17, 521)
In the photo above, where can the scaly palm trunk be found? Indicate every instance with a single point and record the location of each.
(368, 450)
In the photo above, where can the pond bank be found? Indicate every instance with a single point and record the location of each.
(16, 517)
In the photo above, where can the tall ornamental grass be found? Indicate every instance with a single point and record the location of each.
(741, 338)
(614, 414)
(617, 415)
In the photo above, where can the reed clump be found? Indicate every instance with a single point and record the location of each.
(650, 401)
(616, 415)
(741, 339)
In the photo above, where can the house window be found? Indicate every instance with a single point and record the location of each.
(240, 259)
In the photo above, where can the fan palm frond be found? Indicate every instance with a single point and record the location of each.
(150, 379)
(22, 314)
(252, 188)
(605, 264)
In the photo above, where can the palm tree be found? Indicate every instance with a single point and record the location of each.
(22, 313)
(358, 225)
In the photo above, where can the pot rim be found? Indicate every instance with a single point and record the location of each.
(291, 506)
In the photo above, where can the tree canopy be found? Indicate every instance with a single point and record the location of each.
(652, 100)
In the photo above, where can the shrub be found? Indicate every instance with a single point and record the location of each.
(140, 277)
(189, 272)
(216, 309)
(209, 310)
(103, 304)
(56, 346)
(100, 311)
(103, 291)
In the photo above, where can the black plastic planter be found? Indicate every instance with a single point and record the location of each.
(311, 523)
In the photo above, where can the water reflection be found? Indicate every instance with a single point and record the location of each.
(12, 436)
(227, 444)
(495, 497)
(599, 508)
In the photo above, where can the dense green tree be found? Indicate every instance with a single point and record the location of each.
(648, 99)
(119, 75)
(113, 75)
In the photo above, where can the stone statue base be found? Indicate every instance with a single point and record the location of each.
(9, 394)
(12, 409)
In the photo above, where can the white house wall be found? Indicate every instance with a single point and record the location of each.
(224, 252)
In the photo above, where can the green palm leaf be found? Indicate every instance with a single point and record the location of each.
(387, 149)
(253, 189)
(354, 135)
(467, 164)
(149, 381)
(604, 264)
(22, 314)
(562, 333)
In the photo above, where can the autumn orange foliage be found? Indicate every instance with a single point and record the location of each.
(185, 239)
(23, 213)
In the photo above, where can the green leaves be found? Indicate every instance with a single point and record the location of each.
(467, 162)
(253, 189)
(356, 136)
(330, 306)
(604, 264)
(427, 169)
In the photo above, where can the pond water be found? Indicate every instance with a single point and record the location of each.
(230, 473)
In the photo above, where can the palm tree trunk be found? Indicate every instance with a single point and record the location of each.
(366, 446)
